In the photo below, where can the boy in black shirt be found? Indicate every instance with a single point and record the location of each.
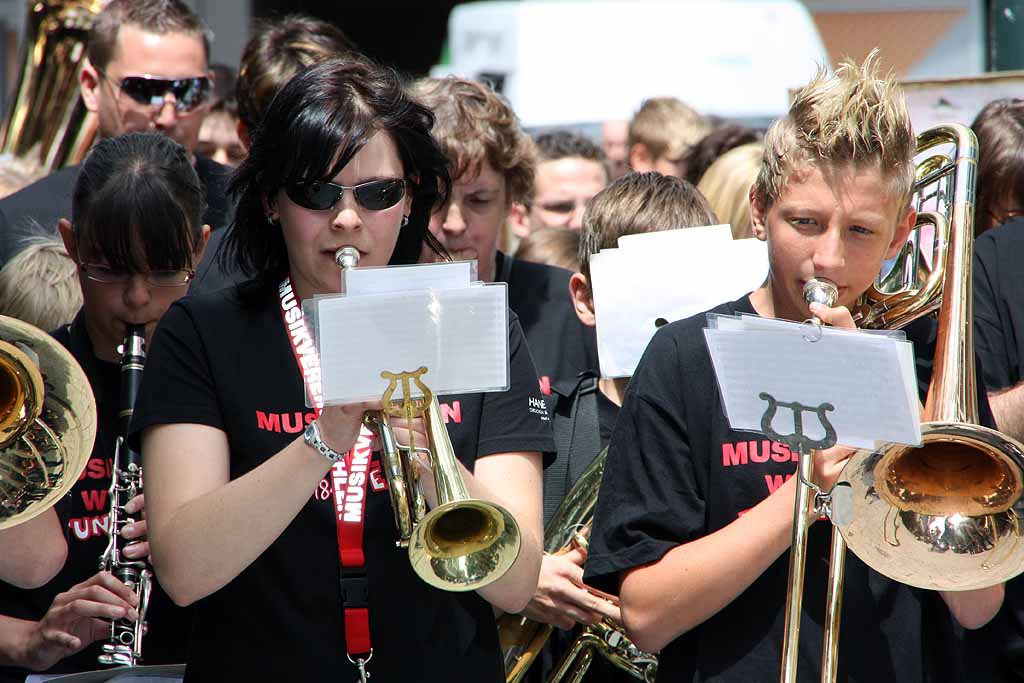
(135, 237)
(585, 408)
(694, 519)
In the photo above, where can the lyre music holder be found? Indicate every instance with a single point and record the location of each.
(409, 407)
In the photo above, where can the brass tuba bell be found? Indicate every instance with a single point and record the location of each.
(47, 119)
(47, 421)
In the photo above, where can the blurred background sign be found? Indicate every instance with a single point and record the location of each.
(575, 62)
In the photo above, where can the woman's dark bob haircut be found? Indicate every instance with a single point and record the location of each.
(138, 204)
(312, 129)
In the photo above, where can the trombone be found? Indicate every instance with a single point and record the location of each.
(942, 516)
(463, 543)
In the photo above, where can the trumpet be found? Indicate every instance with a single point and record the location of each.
(463, 543)
(124, 645)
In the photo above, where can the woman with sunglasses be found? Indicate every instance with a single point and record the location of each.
(240, 501)
(135, 233)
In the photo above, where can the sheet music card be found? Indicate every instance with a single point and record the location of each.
(868, 378)
(399, 319)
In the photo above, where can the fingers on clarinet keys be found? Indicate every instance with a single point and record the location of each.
(101, 596)
(136, 504)
(137, 551)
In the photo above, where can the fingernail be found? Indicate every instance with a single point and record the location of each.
(127, 529)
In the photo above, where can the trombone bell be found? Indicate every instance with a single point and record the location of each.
(945, 516)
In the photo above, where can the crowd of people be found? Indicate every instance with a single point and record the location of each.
(214, 202)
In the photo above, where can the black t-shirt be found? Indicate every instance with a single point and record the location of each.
(607, 414)
(676, 472)
(83, 513)
(225, 360)
(999, 303)
(562, 347)
(582, 418)
(996, 651)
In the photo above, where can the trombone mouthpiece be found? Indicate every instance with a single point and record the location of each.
(822, 291)
(347, 257)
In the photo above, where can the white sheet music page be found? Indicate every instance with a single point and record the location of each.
(868, 379)
(667, 276)
(399, 319)
(459, 335)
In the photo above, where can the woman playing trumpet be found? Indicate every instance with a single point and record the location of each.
(241, 514)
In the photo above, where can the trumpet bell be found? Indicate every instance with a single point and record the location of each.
(945, 516)
(463, 545)
(48, 428)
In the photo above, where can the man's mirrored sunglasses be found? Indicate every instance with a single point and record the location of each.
(189, 93)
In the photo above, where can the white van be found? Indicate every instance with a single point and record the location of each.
(576, 62)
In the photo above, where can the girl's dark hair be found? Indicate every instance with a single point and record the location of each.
(312, 129)
(1000, 130)
(138, 204)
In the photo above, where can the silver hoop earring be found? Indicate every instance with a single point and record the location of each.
(405, 221)
(273, 220)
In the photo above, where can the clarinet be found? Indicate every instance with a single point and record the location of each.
(124, 646)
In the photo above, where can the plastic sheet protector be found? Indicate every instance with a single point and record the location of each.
(400, 319)
(382, 279)
(869, 379)
(662, 277)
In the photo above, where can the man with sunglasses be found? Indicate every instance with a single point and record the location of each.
(146, 71)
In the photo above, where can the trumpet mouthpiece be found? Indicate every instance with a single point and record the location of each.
(822, 291)
(347, 257)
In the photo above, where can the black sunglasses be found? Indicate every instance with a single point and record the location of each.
(375, 195)
(188, 93)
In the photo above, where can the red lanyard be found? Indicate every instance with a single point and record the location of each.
(349, 477)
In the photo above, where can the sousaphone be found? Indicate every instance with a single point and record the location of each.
(46, 121)
(47, 421)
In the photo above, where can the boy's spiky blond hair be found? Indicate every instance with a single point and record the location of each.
(852, 117)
